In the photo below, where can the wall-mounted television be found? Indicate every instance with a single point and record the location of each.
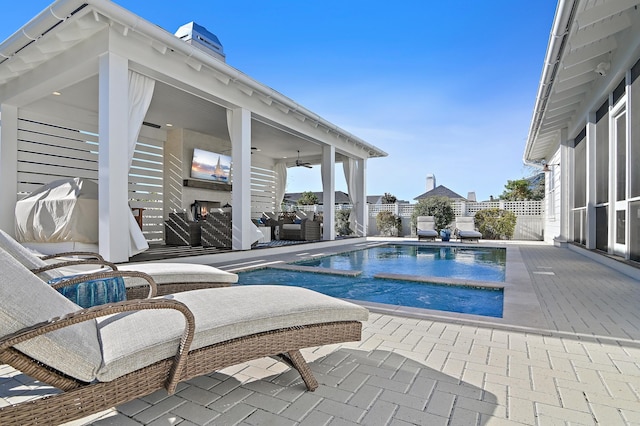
(211, 166)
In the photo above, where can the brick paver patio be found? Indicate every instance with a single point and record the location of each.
(584, 369)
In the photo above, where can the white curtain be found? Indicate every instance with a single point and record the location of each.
(281, 184)
(229, 118)
(350, 173)
(140, 94)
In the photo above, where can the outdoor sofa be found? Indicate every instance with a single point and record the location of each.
(107, 355)
(300, 226)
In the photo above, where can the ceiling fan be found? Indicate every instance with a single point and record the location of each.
(302, 163)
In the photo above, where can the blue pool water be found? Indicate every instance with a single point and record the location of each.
(479, 264)
(475, 263)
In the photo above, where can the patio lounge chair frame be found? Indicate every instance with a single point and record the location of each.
(90, 258)
(79, 399)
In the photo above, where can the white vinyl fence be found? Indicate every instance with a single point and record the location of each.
(529, 214)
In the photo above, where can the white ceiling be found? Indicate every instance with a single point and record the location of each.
(170, 105)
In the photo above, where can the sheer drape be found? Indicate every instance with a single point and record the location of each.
(281, 184)
(350, 167)
(140, 94)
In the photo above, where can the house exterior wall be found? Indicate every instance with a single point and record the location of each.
(603, 189)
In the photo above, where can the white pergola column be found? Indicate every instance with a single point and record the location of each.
(363, 213)
(113, 162)
(565, 173)
(240, 130)
(590, 140)
(328, 192)
(8, 167)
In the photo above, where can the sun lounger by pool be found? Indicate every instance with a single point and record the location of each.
(465, 229)
(425, 228)
(111, 354)
(170, 277)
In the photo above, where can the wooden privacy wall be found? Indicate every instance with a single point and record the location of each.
(50, 151)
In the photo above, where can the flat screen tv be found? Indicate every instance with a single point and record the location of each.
(209, 165)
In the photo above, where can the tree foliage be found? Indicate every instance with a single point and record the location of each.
(343, 227)
(388, 198)
(389, 224)
(496, 224)
(523, 189)
(438, 207)
(308, 198)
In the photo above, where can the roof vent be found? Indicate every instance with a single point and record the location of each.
(198, 36)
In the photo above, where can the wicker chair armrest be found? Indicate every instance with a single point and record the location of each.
(153, 287)
(73, 263)
(85, 254)
(27, 333)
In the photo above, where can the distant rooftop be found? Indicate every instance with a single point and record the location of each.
(341, 197)
(440, 191)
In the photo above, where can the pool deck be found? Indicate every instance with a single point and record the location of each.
(567, 352)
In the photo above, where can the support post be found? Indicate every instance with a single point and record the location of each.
(240, 132)
(329, 192)
(8, 167)
(113, 162)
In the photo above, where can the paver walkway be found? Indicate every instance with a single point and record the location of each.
(416, 371)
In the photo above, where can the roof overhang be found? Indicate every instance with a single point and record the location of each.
(591, 46)
(67, 24)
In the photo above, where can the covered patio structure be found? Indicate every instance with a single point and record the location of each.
(89, 89)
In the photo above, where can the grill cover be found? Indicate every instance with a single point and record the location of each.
(64, 210)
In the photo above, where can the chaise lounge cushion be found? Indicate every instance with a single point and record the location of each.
(166, 273)
(465, 228)
(162, 273)
(425, 227)
(139, 339)
(74, 350)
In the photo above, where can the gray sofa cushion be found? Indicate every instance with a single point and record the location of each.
(132, 341)
(26, 300)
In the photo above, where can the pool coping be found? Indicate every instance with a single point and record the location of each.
(315, 270)
(521, 307)
(430, 279)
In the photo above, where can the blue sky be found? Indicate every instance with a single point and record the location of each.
(445, 88)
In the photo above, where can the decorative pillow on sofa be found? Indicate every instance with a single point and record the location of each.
(93, 292)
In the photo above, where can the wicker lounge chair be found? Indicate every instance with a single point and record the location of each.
(107, 355)
(425, 228)
(465, 229)
(170, 277)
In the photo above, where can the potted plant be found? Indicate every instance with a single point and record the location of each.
(445, 234)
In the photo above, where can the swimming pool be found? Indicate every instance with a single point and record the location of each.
(473, 264)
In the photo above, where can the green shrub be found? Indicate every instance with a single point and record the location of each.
(308, 198)
(496, 224)
(389, 224)
(343, 227)
(438, 207)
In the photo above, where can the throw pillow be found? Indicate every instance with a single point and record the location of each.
(93, 292)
